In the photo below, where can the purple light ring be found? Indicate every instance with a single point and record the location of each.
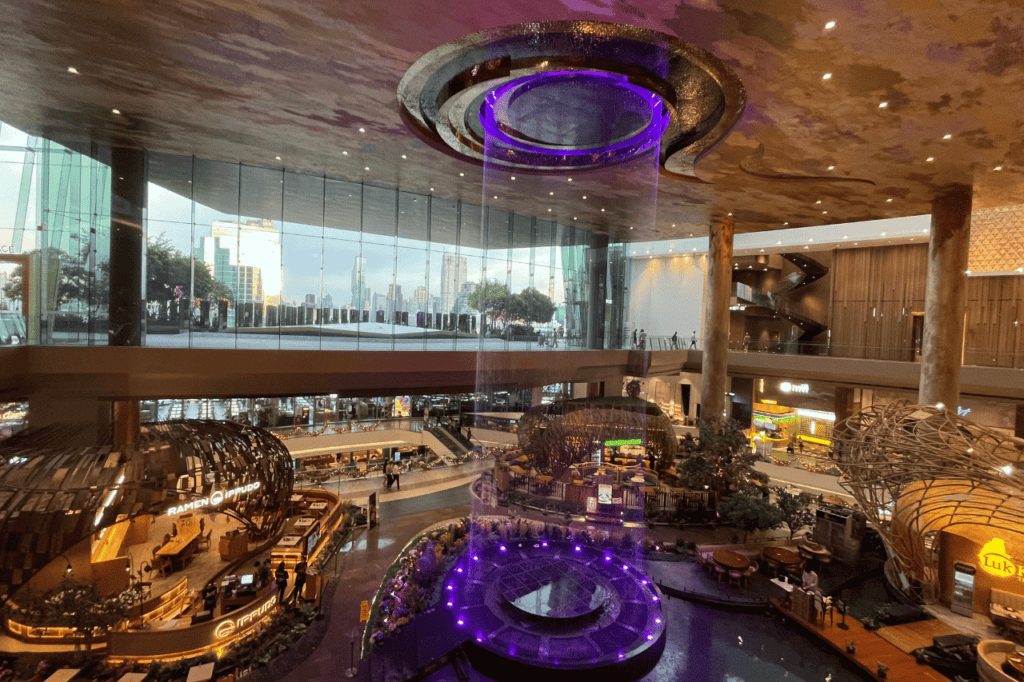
(651, 133)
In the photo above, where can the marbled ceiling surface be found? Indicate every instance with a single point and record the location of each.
(249, 81)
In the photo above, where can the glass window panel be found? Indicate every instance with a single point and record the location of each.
(258, 266)
(215, 188)
(301, 290)
(346, 284)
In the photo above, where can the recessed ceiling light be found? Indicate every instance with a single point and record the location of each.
(584, 196)
(513, 177)
(831, 168)
(930, 159)
(431, 189)
(824, 213)
(730, 214)
(575, 218)
(695, 248)
(551, 194)
(673, 224)
(762, 250)
(811, 239)
(786, 223)
(362, 130)
(925, 230)
(830, 25)
(344, 153)
(73, 70)
(276, 157)
(826, 77)
(883, 234)
(691, 234)
(190, 182)
(998, 168)
(549, 210)
(495, 196)
(778, 243)
(818, 201)
(844, 236)
(462, 175)
(807, 247)
(570, 179)
(947, 136)
(855, 243)
(883, 105)
(404, 156)
(888, 201)
(116, 111)
(967, 272)
(602, 210)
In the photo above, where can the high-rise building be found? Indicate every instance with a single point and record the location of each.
(420, 302)
(462, 300)
(310, 301)
(380, 302)
(360, 295)
(327, 301)
(453, 277)
(394, 301)
(253, 243)
(244, 281)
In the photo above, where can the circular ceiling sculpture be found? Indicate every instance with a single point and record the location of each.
(571, 95)
(916, 470)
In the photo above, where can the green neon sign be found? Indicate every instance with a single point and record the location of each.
(617, 443)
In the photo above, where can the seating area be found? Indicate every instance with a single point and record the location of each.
(1007, 613)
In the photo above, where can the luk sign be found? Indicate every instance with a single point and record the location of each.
(788, 387)
(228, 627)
(995, 560)
(214, 499)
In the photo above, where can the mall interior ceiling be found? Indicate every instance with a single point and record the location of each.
(854, 111)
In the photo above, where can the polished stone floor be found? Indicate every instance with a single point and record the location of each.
(704, 643)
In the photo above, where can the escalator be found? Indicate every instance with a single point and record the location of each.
(448, 439)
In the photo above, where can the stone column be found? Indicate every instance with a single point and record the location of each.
(945, 298)
(127, 202)
(715, 336)
(597, 271)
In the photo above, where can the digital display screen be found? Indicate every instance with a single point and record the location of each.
(248, 578)
(604, 494)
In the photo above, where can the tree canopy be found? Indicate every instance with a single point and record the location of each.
(73, 279)
(721, 461)
(795, 509)
(749, 513)
(167, 269)
(529, 305)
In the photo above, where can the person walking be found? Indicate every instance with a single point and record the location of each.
(635, 344)
(554, 339)
(394, 476)
(389, 477)
(693, 341)
(300, 581)
(281, 577)
(643, 340)
(675, 340)
(746, 341)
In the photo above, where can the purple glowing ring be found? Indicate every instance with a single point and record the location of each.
(495, 110)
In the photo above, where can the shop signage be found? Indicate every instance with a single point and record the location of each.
(995, 561)
(591, 504)
(769, 402)
(604, 493)
(214, 499)
(228, 627)
(7, 249)
(788, 387)
(618, 443)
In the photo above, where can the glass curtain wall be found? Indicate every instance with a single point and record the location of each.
(245, 257)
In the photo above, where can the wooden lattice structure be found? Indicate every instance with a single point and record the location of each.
(558, 436)
(53, 497)
(916, 470)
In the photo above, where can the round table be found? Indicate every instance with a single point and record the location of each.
(814, 551)
(734, 561)
(782, 556)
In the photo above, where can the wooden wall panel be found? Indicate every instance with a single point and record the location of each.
(877, 291)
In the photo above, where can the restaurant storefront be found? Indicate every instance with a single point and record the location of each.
(790, 413)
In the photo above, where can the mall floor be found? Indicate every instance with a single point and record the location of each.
(704, 643)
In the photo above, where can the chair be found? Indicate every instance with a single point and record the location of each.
(754, 568)
(161, 564)
(735, 577)
(204, 544)
(719, 572)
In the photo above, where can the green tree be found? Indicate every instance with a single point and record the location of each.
(750, 513)
(796, 510)
(490, 298)
(74, 281)
(167, 269)
(76, 605)
(533, 306)
(722, 461)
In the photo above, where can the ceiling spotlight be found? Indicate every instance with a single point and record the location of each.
(778, 243)
(431, 189)
(570, 179)
(73, 70)
(818, 201)
(691, 234)
(762, 250)
(366, 168)
(602, 210)
(584, 196)
(549, 210)
(551, 194)
(495, 196)
(998, 168)
(811, 239)
(513, 177)
(673, 224)
(844, 236)
(404, 156)
(826, 77)
(830, 25)
(631, 227)
(575, 218)
(967, 272)
(276, 157)
(883, 105)
(925, 231)
(888, 201)
(730, 214)
(1007, 469)
(807, 247)
(824, 213)
(462, 175)
(947, 136)
(883, 234)
(831, 168)
(786, 223)
(344, 153)
(930, 159)
(118, 112)
(362, 130)
(695, 248)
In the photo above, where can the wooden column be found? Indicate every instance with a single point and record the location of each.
(715, 335)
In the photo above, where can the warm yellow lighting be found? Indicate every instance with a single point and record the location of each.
(995, 561)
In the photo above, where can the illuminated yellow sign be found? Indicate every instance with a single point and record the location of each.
(995, 561)
(228, 627)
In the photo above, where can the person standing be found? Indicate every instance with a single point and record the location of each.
(281, 577)
(300, 581)
(746, 341)
(394, 476)
(675, 340)
(693, 341)
(389, 478)
(643, 340)
(635, 344)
